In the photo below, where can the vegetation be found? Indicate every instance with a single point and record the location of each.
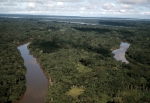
(75, 91)
(79, 60)
(12, 70)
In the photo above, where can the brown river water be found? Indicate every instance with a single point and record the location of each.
(36, 81)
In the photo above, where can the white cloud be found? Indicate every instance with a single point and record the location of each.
(60, 3)
(145, 13)
(82, 8)
(50, 5)
(122, 10)
(134, 1)
(126, 6)
(68, 0)
(109, 6)
(31, 5)
(3, 0)
(30, 0)
(10, 4)
(77, 7)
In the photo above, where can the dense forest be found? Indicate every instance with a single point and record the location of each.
(12, 70)
(78, 60)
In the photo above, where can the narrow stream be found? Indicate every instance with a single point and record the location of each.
(120, 53)
(36, 81)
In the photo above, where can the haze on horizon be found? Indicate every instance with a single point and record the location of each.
(90, 8)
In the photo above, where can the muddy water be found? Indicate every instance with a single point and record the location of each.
(36, 81)
(120, 53)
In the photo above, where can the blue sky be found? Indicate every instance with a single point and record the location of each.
(98, 8)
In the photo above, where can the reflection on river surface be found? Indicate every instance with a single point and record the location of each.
(36, 81)
(120, 53)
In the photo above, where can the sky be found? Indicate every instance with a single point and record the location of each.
(88, 8)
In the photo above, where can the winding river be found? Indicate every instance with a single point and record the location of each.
(36, 81)
(120, 53)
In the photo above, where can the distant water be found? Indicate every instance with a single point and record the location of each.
(61, 17)
(120, 53)
(69, 22)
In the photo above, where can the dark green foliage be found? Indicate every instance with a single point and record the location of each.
(82, 57)
(75, 55)
(125, 23)
(12, 70)
(91, 29)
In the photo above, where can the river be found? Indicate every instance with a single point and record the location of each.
(120, 53)
(36, 81)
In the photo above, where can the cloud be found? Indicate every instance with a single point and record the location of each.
(31, 0)
(68, 0)
(3, 0)
(146, 13)
(109, 6)
(50, 5)
(47, 0)
(60, 3)
(82, 8)
(77, 7)
(31, 5)
(126, 6)
(123, 10)
(10, 4)
(134, 1)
